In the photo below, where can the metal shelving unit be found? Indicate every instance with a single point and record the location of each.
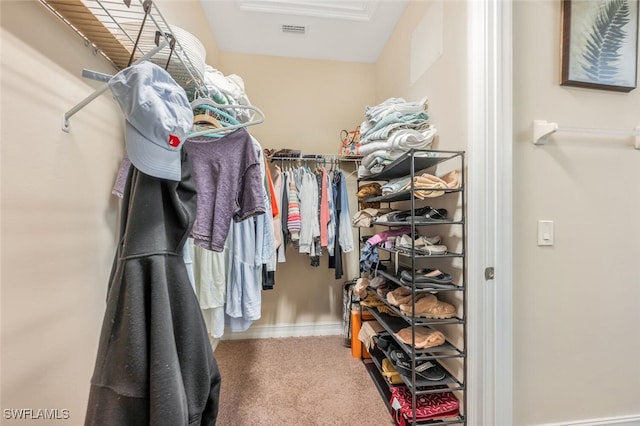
(408, 165)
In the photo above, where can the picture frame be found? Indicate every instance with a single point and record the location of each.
(600, 44)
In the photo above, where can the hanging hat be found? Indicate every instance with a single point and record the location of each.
(158, 118)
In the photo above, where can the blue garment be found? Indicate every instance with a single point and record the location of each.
(346, 233)
(252, 246)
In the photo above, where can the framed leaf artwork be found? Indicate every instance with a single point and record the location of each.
(600, 44)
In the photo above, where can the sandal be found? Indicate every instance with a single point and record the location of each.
(430, 307)
(430, 370)
(432, 250)
(428, 214)
(436, 214)
(404, 241)
(427, 370)
(396, 299)
(427, 276)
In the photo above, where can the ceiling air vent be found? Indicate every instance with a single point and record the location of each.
(294, 29)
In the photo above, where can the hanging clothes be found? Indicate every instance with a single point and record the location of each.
(346, 235)
(324, 209)
(335, 261)
(284, 215)
(343, 239)
(280, 241)
(229, 282)
(309, 226)
(154, 364)
(331, 226)
(293, 210)
(227, 174)
(210, 276)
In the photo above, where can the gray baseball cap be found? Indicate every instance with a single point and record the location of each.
(158, 117)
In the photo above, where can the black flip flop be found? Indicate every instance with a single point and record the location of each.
(436, 214)
(431, 370)
(427, 370)
(384, 341)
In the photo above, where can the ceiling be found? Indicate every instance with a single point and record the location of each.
(353, 31)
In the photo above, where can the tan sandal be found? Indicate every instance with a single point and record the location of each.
(403, 297)
(430, 307)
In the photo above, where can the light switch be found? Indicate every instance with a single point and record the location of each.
(545, 232)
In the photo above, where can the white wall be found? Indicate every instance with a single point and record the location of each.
(444, 82)
(576, 304)
(58, 217)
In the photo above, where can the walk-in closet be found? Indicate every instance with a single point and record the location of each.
(260, 213)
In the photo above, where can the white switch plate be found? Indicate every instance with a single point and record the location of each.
(545, 232)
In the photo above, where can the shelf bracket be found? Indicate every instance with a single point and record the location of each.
(103, 88)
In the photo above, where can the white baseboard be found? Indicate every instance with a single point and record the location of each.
(609, 421)
(286, 330)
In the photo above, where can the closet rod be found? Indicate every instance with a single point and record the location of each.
(104, 87)
(316, 157)
(542, 129)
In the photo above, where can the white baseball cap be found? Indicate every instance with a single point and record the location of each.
(158, 117)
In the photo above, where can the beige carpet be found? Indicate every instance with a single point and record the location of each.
(296, 381)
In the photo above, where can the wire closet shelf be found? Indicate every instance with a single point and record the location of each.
(128, 31)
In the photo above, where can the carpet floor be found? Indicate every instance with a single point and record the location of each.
(296, 381)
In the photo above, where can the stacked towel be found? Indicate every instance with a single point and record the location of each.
(391, 129)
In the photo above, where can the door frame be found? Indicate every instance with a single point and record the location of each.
(490, 213)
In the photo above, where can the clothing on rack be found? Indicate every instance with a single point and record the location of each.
(227, 173)
(284, 213)
(230, 256)
(294, 219)
(277, 199)
(309, 213)
(229, 282)
(210, 282)
(324, 209)
(335, 261)
(346, 236)
(309, 224)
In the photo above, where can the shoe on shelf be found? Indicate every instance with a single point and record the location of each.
(430, 307)
(422, 241)
(427, 275)
(402, 296)
(404, 241)
(432, 250)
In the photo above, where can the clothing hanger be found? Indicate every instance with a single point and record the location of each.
(223, 120)
(206, 119)
(228, 119)
(218, 132)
